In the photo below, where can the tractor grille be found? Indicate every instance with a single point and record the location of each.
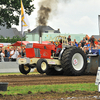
(29, 45)
(37, 52)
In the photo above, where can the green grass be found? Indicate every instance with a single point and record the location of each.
(47, 88)
(18, 73)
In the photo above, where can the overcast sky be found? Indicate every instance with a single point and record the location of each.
(73, 16)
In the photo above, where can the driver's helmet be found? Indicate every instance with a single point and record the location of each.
(60, 40)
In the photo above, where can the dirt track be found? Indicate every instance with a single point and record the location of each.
(18, 80)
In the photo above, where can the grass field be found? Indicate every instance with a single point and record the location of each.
(47, 88)
(17, 73)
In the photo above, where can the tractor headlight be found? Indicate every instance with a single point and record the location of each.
(29, 45)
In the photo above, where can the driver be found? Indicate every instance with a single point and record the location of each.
(59, 47)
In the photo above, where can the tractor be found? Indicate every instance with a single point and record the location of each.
(55, 58)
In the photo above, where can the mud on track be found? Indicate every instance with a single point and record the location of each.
(37, 79)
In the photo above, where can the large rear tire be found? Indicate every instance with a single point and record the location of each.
(42, 66)
(74, 61)
(24, 69)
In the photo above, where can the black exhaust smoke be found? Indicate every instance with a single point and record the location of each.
(48, 8)
(43, 15)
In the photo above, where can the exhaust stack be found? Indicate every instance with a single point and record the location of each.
(40, 34)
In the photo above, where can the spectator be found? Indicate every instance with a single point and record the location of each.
(92, 39)
(2, 56)
(76, 43)
(23, 52)
(87, 38)
(83, 42)
(98, 45)
(6, 57)
(75, 40)
(79, 45)
(86, 49)
(69, 38)
(99, 40)
(69, 43)
(0, 49)
(96, 42)
(11, 49)
(88, 44)
(14, 54)
(80, 42)
(73, 43)
(19, 50)
(5, 51)
(8, 54)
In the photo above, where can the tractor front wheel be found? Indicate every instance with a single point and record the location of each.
(42, 66)
(24, 69)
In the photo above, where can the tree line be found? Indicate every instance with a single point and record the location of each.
(11, 40)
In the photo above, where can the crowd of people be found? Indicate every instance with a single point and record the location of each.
(87, 44)
(10, 54)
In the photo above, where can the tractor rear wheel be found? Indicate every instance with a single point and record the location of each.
(24, 69)
(54, 71)
(74, 61)
(42, 66)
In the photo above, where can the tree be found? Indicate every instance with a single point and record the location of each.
(2, 39)
(10, 11)
(7, 40)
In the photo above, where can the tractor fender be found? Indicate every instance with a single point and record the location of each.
(61, 53)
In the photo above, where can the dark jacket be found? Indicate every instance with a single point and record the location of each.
(5, 53)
